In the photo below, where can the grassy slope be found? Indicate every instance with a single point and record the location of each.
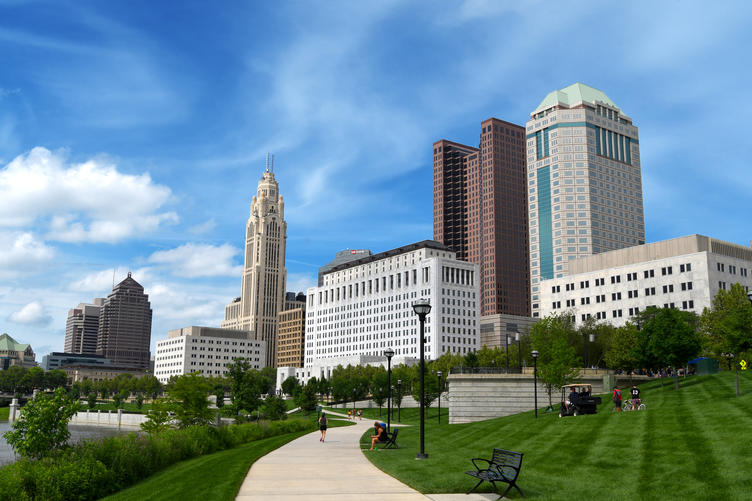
(695, 443)
(4, 413)
(214, 477)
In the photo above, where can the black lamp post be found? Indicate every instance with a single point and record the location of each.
(517, 337)
(399, 403)
(422, 308)
(730, 357)
(439, 373)
(389, 353)
(506, 337)
(535, 380)
(585, 339)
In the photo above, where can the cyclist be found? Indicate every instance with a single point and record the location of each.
(635, 392)
(616, 397)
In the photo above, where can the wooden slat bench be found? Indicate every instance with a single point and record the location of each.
(392, 442)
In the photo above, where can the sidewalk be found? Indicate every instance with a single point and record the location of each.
(306, 469)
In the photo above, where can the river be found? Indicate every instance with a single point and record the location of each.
(78, 433)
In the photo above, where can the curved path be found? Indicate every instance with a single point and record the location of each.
(306, 469)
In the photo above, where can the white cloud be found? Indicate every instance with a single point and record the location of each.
(22, 254)
(87, 202)
(203, 228)
(199, 260)
(300, 282)
(32, 313)
(101, 282)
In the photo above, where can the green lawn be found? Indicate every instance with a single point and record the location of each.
(695, 444)
(4, 413)
(406, 416)
(214, 477)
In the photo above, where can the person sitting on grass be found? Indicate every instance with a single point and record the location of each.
(380, 436)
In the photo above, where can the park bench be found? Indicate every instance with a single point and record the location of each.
(392, 440)
(504, 466)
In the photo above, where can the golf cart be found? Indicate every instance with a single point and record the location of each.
(577, 399)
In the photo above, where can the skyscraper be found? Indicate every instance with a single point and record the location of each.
(264, 274)
(124, 333)
(480, 212)
(82, 328)
(585, 183)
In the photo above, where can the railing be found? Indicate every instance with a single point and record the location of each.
(484, 370)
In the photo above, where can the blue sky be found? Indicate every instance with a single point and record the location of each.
(133, 134)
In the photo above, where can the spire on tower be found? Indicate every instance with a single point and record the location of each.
(269, 163)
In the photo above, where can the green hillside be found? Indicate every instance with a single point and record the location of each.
(695, 443)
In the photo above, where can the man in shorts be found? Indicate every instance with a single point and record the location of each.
(635, 392)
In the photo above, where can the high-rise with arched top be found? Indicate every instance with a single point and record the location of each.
(264, 274)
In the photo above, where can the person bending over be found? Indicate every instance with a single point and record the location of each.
(380, 436)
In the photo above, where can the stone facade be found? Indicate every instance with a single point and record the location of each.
(264, 274)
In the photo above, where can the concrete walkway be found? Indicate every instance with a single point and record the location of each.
(306, 469)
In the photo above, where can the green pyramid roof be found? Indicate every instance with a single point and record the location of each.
(7, 343)
(572, 95)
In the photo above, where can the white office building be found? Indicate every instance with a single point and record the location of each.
(684, 273)
(206, 350)
(365, 306)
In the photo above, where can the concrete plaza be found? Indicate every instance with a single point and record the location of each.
(306, 469)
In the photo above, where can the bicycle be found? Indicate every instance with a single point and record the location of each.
(627, 406)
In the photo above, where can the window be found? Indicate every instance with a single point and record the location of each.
(666, 270)
(585, 284)
(585, 300)
(722, 285)
(685, 267)
(555, 289)
(650, 291)
(649, 273)
(686, 305)
(686, 286)
(600, 281)
(616, 279)
(720, 266)
(615, 296)
(616, 313)
(668, 288)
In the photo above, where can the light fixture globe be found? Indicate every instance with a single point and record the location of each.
(422, 307)
(389, 353)
(534, 353)
(749, 295)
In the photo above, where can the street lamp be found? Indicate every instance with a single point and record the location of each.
(399, 402)
(535, 379)
(506, 337)
(422, 308)
(517, 338)
(729, 357)
(439, 373)
(389, 353)
(585, 339)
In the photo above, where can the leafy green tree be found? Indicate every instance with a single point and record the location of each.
(91, 399)
(324, 387)
(246, 386)
(471, 359)
(139, 400)
(621, 352)
(667, 338)
(557, 359)
(306, 398)
(379, 389)
(189, 396)
(431, 389)
(290, 386)
(55, 378)
(159, 417)
(274, 408)
(42, 427)
(119, 398)
(727, 326)
(601, 332)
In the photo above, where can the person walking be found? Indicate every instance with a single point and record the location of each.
(322, 426)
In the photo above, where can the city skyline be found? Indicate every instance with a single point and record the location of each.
(136, 144)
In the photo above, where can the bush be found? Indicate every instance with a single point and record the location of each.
(96, 468)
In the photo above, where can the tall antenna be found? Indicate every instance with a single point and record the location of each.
(269, 163)
(113, 277)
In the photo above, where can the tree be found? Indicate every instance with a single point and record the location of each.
(621, 353)
(139, 400)
(119, 398)
(91, 399)
(159, 417)
(246, 386)
(290, 386)
(727, 326)
(667, 338)
(189, 396)
(55, 378)
(557, 359)
(274, 408)
(379, 389)
(306, 398)
(43, 426)
(431, 388)
(471, 359)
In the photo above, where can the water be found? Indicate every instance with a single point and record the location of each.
(78, 434)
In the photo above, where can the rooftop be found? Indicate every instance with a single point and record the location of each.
(573, 95)
(7, 343)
